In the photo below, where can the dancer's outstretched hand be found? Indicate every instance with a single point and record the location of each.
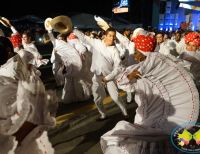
(101, 23)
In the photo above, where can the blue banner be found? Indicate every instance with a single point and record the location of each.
(123, 3)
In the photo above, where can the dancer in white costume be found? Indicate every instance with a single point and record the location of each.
(190, 54)
(106, 64)
(73, 90)
(166, 96)
(27, 110)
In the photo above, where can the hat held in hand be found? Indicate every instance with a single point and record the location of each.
(47, 24)
(61, 24)
(5, 21)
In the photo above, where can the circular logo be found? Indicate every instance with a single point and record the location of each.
(186, 138)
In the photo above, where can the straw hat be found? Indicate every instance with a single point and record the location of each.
(47, 24)
(61, 24)
(5, 21)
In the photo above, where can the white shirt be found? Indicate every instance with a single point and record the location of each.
(168, 47)
(105, 59)
(68, 54)
(77, 45)
(31, 45)
(127, 44)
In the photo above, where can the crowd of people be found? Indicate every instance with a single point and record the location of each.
(159, 72)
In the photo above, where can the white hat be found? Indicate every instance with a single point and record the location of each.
(47, 24)
(5, 21)
(61, 24)
(138, 31)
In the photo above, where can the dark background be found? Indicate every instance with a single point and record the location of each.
(140, 11)
(52, 8)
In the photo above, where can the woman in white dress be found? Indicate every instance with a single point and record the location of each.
(26, 109)
(190, 54)
(166, 96)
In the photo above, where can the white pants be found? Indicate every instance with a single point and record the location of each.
(99, 94)
(129, 97)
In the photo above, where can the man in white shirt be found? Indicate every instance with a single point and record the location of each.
(105, 66)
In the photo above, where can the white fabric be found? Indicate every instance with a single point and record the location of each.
(128, 47)
(36, 142)
(101, 23)
(180, 47)
(57, 68)
(85, 77)
(13, 108)
(105, 59)
(106, 62)
(99, 94)
(15, 68)
(191, 62)
(126, 43)
(169, 47)
(14, 31)
(69, 56)
(23, 98)
(166, 96)
(77, 45)
(139, 31)
(37, 61)
(138, 141)
(77, 79)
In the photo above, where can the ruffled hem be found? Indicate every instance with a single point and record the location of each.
(126, 138)
(36, 142)
(142, 147)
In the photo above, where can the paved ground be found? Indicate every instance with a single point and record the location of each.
(77, 130)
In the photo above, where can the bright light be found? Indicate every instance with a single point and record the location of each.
(193, 27)
(40, 39)
(170, 29)
(120, 10)
(161, 28)
(191, 7)
(189, 0)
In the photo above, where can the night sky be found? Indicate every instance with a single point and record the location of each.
(52, 9)
(139, 13)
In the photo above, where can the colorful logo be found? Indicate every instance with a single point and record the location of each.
(186, 138)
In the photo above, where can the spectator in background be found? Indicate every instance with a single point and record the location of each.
(127, 33)
(159, 40)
